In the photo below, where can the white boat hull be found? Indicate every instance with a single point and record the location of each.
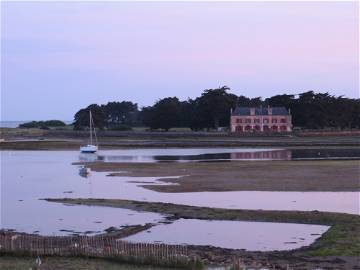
(88, 149)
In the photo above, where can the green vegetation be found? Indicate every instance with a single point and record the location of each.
(43, 124)
(212, 110)
(342, 239)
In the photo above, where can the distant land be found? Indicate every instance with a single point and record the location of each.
(15, 124)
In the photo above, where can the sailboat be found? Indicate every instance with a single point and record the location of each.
(90, 148)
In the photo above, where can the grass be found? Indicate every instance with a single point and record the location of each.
(340, 239)
(66, 263)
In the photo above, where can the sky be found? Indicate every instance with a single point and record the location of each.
(58, 57)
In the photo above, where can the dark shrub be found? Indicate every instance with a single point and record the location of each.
(121, 128)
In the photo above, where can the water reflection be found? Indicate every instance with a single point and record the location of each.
(263, 155)
(89, 157)
(84, 171)
(217, 154)
(253, 236)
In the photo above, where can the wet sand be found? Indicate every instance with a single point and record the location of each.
(322, 175)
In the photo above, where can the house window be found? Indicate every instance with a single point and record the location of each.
(248, 120)
(256, 120)
(283, 120)
(239, 128)
(266, 121)
(273, 120)
(238, 120)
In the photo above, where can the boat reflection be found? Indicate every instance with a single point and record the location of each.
(126, 158)
(84, 171)
(88, 157)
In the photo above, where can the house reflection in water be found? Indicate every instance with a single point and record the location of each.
(263, 155)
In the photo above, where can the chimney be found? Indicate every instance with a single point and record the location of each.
(269, 110)
(252, 111)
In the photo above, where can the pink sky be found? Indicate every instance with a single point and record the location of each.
(67, 55)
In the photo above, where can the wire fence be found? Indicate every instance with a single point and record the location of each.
(94, 246)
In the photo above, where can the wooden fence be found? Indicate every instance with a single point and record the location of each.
(94, 246)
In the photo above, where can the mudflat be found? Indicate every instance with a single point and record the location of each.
(321, 175)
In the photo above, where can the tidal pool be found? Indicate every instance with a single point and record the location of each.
(27, 176)
(252, 236)
(35, 216)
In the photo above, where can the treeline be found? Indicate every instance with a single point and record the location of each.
(43, 124)
(212, 109)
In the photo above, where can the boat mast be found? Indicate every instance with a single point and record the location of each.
(90, 128)
(96, 140)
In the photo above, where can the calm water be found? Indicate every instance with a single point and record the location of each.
(11, 124)
(213, 154)
(264, 236)
(27, 176)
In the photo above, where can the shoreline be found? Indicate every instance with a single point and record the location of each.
(37, 139)
(136, 144)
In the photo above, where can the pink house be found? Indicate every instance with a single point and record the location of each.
(261, 119)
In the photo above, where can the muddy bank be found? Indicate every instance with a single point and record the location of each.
(323, 175)
(338, 248)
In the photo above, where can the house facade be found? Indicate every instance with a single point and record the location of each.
(261, 119)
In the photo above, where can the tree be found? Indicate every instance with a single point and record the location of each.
(187, 111)
(43, 124)
(81, 118)
(166, 113)
(281, 100)
(212, 109)
(146, 116)
(120, 113)
(214, 106)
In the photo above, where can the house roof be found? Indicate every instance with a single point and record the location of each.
(260, 111)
